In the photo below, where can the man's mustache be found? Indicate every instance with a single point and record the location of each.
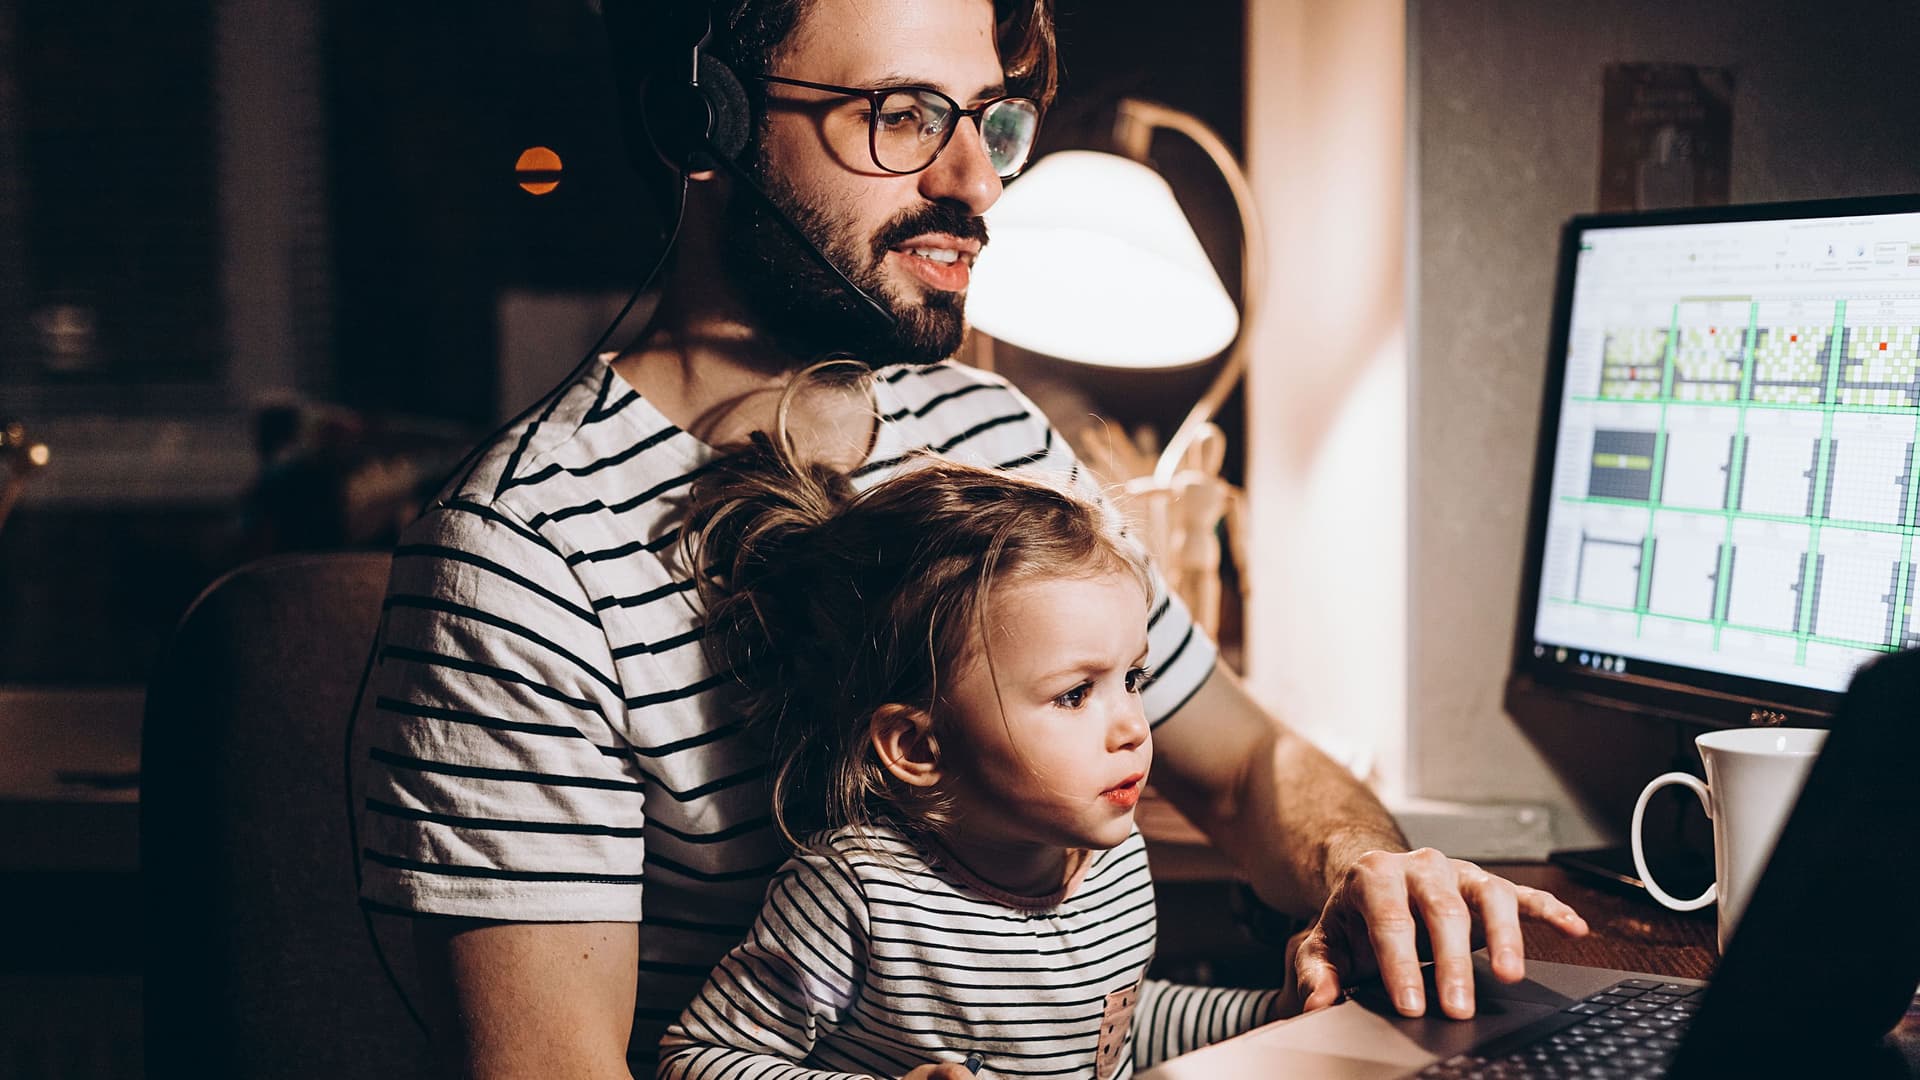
(932, 218)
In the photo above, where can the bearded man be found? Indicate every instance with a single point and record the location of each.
(549, 764)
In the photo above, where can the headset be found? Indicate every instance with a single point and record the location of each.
(690, 112)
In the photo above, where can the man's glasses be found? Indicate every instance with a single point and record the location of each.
(908, 126)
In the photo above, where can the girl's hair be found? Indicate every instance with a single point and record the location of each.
(826, 605)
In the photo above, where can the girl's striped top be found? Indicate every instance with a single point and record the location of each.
(874, 955)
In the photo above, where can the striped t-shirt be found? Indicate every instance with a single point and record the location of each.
(874, 955)
(544, 738)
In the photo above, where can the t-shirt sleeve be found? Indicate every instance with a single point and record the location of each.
(1172, 1019)
(492, 781)
(771, 999)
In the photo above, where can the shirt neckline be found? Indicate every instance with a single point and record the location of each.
(700, 451)
(1079, 860)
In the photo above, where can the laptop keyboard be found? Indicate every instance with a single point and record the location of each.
(1628, 1030)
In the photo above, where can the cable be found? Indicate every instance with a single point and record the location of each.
(373, 651)
(868, 303)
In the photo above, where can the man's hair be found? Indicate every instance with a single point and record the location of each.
(750, 35)
(828, 605)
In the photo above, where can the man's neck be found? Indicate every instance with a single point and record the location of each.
(712, 375)
(712, 371)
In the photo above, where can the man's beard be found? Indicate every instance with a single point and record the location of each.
(806, 311)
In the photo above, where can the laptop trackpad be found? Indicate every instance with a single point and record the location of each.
(1497, 1010)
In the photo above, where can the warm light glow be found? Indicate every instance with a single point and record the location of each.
(539, 169)
(37, 454)
(1091, 260)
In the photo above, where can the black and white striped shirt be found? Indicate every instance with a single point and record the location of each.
(874, 955)
(544, 731)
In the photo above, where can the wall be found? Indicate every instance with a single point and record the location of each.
(1326, 375)
(1504, 106)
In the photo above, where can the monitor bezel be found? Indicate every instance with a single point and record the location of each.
(1709, 698)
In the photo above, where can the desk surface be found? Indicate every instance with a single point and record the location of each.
(1629, 932)
(1634, 934)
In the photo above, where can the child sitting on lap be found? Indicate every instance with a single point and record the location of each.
(948, 666)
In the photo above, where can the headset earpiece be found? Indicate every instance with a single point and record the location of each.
(687, 124)
(666, 116)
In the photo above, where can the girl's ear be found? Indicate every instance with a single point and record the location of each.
(903, 738)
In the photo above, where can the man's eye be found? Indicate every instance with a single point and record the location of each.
(1137, 679)
(1075, 697)
(900, 119)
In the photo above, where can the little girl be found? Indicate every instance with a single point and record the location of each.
(948, 666)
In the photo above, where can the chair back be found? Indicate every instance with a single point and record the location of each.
(258, 961)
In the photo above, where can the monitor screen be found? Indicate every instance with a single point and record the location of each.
(1724, 510)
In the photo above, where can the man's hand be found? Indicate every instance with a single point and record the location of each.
(1390, 906)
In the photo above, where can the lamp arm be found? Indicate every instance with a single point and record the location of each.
(1134, 125)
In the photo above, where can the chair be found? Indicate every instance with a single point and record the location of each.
(258, 962)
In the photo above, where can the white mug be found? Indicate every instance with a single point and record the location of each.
(1754, 775)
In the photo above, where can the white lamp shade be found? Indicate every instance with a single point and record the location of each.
(1090, 259)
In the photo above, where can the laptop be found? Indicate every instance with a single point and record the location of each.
(1824, 963)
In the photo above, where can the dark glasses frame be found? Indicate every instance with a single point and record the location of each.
(875, 96)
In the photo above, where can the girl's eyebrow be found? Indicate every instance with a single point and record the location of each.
(1090, 665)
(1075, 667)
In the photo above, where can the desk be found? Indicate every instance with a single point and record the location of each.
(1631, 933)
(1635, 934)
(70, 918)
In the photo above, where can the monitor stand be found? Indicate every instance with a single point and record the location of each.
(1681, 873)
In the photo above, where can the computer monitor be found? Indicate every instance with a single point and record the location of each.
(1724, 512)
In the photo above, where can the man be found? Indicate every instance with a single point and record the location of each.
(550, 765)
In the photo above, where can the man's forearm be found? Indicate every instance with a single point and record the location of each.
(1298, 822)
(1289, 816)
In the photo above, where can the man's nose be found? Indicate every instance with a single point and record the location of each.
(962, 173)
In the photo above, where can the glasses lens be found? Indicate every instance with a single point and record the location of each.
(909, 128)
(1008, 127)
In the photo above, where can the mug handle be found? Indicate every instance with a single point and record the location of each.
(1639, 852)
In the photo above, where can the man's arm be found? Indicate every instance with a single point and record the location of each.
(1312, 838)
(528, 999)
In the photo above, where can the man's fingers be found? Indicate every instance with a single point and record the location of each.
(1391, 929)
(1498, 902)
(1434, 887)
(1543, 905)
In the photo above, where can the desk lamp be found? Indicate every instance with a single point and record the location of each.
(1092, 261)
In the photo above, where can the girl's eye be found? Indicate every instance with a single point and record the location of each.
(1075, 697)
(1137, 679)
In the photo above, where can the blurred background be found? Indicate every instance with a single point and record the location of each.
(266, 268)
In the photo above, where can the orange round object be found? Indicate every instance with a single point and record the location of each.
(538, 169)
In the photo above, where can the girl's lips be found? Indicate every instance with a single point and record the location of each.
(1125, 794)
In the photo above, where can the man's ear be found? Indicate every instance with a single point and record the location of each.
(903, 740)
